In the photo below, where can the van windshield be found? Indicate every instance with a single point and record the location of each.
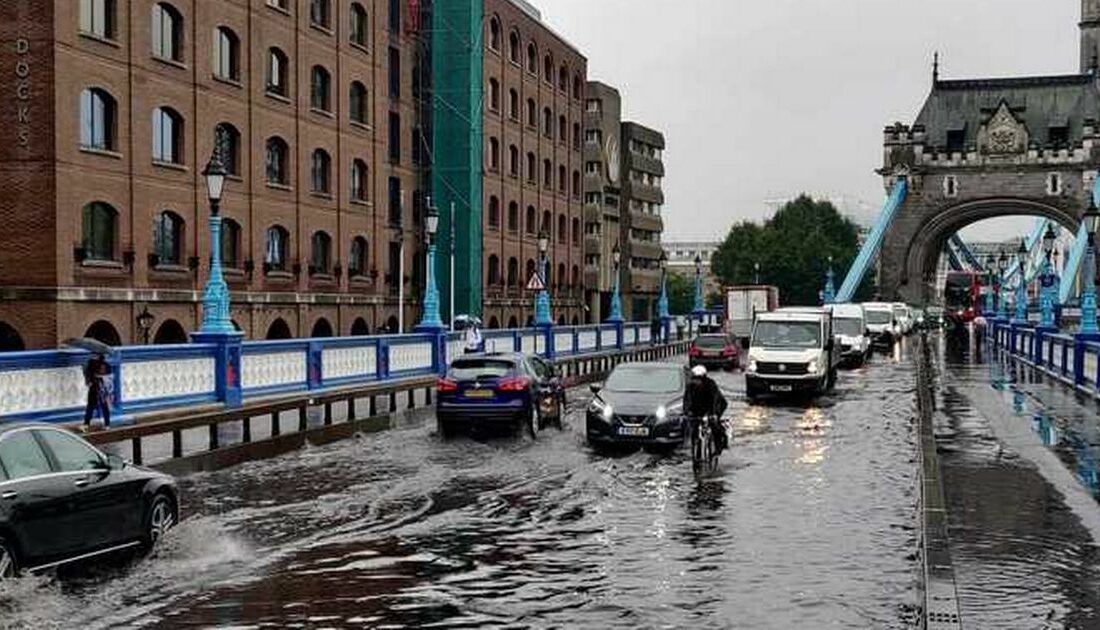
(848, 326)
(879, 317)
(787, 335)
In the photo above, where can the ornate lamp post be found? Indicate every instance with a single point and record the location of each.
(1002, 302)
(698, 309)
(1046, 282)
(990, 289)
(1091, 220)
(145, 321)
(756, 273)
(215, 299)
(432, 321)
(616, 291)
(662, 300)
(542, 300)
(830, 284)
(1021, 285)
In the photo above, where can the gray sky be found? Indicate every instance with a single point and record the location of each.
(760, 99)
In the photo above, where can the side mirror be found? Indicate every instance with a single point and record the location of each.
(594, 388)
(866, 332)
(114, 462)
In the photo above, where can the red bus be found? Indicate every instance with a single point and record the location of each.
(962, 296)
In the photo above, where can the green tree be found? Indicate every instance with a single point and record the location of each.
(681, 294)
(792, 250)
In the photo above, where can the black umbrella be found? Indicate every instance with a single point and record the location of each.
(94, 346)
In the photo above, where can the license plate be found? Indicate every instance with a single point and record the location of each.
(782, 388)
(634, 431)
(479, 393)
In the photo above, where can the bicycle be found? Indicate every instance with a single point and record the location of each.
(704, 453)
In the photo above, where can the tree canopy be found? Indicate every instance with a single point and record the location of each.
(793, 250)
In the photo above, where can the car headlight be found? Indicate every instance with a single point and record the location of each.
(664, 413)
(812, 368)
(752, 366)
(603, 409)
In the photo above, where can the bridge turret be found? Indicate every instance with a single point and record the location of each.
(1090, 36)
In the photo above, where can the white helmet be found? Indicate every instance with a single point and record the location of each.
(699, 370)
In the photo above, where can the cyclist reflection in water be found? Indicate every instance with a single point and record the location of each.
(703, 399)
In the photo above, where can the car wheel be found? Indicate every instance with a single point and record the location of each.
(445, 427)
(9, 567)
(158, 520)
(534, 422)
(559, 417)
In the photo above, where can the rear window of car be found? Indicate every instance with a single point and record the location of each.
(474, 369)
(711, 341)
(22, 456)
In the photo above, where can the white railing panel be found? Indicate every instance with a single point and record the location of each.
(410, 356)
(146, 380)
(586, 340)
(26, 391)
(349, 362)
(273, 369)
(563, 343)
(608, 338)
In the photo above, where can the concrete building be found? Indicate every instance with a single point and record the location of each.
(681, 261)
(113, 110)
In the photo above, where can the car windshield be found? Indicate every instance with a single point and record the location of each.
(848, 326)
(711, 342)
(479, 369)
(787, 335)
(639, 379)
(879, 317)
(899, 311)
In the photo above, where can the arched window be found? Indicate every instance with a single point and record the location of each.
(578, 87)
(322, 329)
(10, 339)
(547, 174)
(169, 333)
(167, 32)
(494, 154)
(357, 103)
(494, 212)
(548, 122)
(278, 330)
(358, 32)
(562, 280)
(494, 270)
(513, 272)
(167, 136)
(105, 332)
(577, 136)
(357, 259)
(563, 182)
(168, 239)
(321, 172)
(576, 278)
(547, 224)
(577, 184)
(513, 104)
(513, 47)
(513, 323)
(529, 224)
(532, 113)
(228, 141)
(276, 249)
(513, 217)
(276, 159)
(360, 328)
(563, 233)
(100, 231)
(494, 95)
(227, 54)
(532, 58)
(320, 259)
(231, 244)
(320, 13)
(97, 17)
(563, 130)
(563, 78)
(494, 323)
(277, 67)
(319, 89)
(530, 268)
(532, 173)
(494, 34)
(98, 113)
(548, 69)
(513, 161)
(359, 180)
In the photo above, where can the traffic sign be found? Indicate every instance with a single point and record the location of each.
(536, 283)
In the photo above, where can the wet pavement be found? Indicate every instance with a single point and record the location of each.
(809, 522)
(1018, 454)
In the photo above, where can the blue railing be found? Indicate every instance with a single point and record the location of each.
(1073, 359)
(49, 385)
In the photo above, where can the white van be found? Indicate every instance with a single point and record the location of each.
(790, 351)
(880, 322)
(904, 317)
(850, 329)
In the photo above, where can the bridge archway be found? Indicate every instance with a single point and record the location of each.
(104, 331)
(170, 332)
(10, 339)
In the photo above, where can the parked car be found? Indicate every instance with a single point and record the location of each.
(520, 391)
(715, 351)
(882, 324)
(850, 330)
(904, 317)
(640, 403)
(62, 499)
(791, 351)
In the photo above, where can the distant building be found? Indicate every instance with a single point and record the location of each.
(681, 261)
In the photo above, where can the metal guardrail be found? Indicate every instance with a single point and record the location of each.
(1072, 359)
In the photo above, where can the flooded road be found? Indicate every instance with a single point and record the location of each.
(809, 522)
(1018, 456)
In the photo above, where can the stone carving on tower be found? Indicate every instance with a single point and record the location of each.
(1003, 134)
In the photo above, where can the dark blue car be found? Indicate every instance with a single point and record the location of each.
(511, 390)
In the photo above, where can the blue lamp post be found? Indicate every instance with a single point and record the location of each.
(830, 284)
(990, 289)
(1002, 301)
(1046, 282)
(662, 300)
(1021, 285)
(432, 321)
(616, 292)
(699, 309)
(542, 300)
(1091, 219)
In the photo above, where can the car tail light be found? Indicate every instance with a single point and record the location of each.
(729, 351)
(446, 386)
(514, 384)
(693, 352)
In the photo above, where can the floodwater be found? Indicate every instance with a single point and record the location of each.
(809, 522)
(1018, 455)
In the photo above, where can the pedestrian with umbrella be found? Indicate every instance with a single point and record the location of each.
(98, 379)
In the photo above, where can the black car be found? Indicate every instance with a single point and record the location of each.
(520, 391)
(641, 403)
(62, 499)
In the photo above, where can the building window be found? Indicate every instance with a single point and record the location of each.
(950, 186)
(357, 103)
(548, 69)
(321, 172)
(956, 139)
(563, 233)
(548, 123)
(513, 105)
(278, 171)
(563, 183)
(99, 233)
(494, 34)
(319, 89)
(513, 161)
(513, 47)
(547, 222)
(494, 212)
(1059, 137)
(278, 246)
(577, 184)
(395, 72)
(320, 259)
(547, 174)
(97, 17)
(576, 136)
(529, 224)
(359, 180)
(231, 244)
(576, 231)
(227, 52)
(513, 217)
(532, 114)
(357, 259)
(577, 87)
(395, 137)
(494, 95)
(563, 130)
(228, 141)
(532, 175)
(592, 199)
(168, 239)
(494, 270)
(1054, 184)
(563, 79)
(532, 59)
(395, 201)
(97, 120)
(513, 272)
(594, 106)
(320, 13)
(592, 168)
(167, 136)
(395, 16)
(277, 72)
(592, 136)
(167, 32)
(358, 32)
(494, 154)
(279, 4)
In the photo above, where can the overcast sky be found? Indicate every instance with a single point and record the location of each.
(761, 99)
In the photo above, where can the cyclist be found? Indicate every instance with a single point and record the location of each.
(703, 399)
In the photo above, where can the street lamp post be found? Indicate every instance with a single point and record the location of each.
(662, 300)
(830, 284)
(1091, 221)
(1046, 282)
(542, 300)
(990, 289)
(756, 273)
(1002, 301)
(616, 292)
(1021, 285)
(699, 309)
(432, 321)
(145, 321)
(215, 299)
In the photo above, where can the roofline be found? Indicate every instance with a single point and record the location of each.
(526, 8)
(1014, 82)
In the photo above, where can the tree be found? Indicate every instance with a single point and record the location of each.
(681, 294)
(792, 249)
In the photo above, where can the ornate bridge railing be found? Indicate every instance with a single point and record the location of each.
(1073, 359)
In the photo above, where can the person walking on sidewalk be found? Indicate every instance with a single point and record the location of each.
(97, 377)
